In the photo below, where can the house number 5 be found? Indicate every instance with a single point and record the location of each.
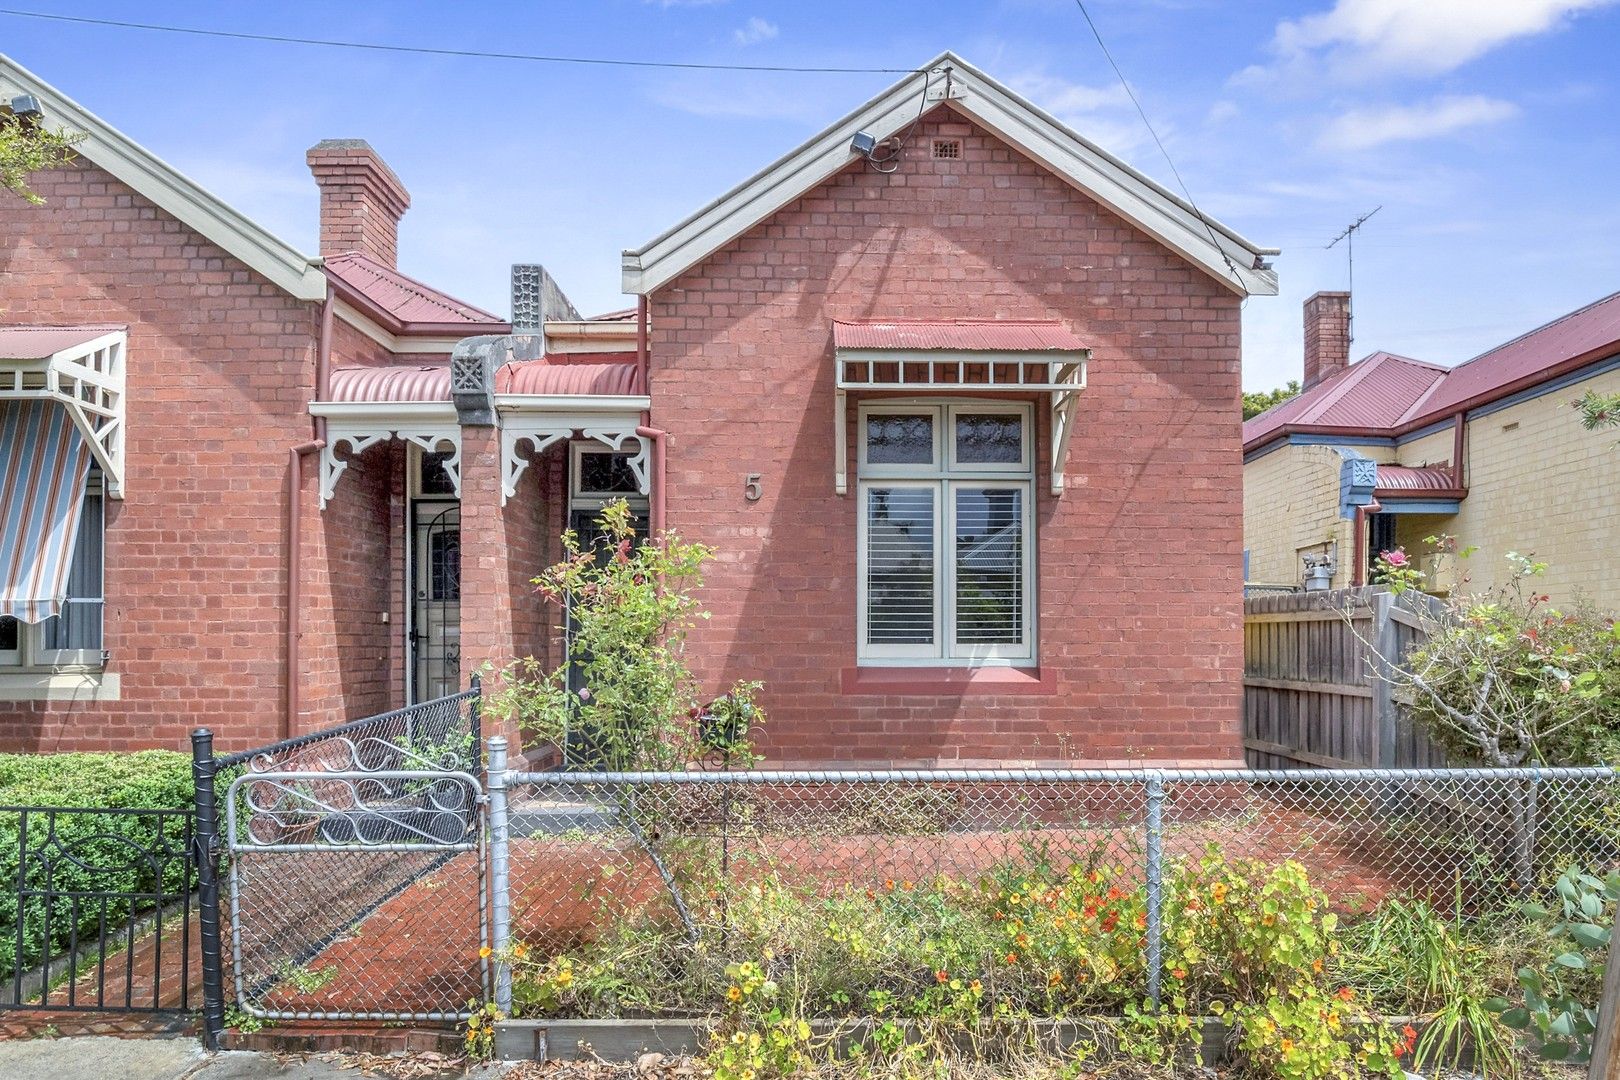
(751, 489)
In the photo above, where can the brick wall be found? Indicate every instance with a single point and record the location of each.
(1139, 563)
(1291, 507)
(219, 365)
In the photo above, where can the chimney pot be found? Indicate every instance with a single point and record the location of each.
(1327, 336)
(361, 199)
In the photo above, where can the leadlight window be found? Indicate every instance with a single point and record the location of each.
(945, 551)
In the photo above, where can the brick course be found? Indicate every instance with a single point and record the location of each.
(1139, 564)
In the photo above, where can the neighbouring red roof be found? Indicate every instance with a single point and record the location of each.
(402, 300)
(40, 342)
(965, 335)
(1404, 479)
(1576, 334)
(623, 315)
(1371, 393)
(1384, 393)
(592, 373)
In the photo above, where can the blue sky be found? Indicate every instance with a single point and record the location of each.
(1484, 128)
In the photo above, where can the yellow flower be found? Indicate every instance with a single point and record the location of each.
(1268, 920)
(564, 977)
(733, 993)
(518, 950)
(485, 952)
(1287, 1046)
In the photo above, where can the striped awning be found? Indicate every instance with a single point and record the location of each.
(41, 496)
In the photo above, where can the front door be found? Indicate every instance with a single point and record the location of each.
(580, 750)
(436, 600)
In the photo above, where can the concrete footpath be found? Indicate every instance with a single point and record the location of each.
(97, 1057)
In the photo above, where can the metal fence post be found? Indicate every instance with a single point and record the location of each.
(500, 928)
(475, 715)
(1155, 882)
(206, 838)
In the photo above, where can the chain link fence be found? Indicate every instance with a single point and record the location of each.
(355, 875)
(666, 878)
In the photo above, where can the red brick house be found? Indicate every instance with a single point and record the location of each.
(951, 391)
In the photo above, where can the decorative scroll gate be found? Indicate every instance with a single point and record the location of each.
(356, 875)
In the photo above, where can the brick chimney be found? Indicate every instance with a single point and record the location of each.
(361, 199)
(1327, 336)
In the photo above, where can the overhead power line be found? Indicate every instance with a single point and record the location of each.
(1231, 268)
(480, 54)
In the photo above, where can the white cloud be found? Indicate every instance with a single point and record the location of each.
(754, 31)
(1362, 129)
(1415, 36)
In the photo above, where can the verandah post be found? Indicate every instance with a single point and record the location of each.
(1155, 882)
(500, 923)
(205, 836)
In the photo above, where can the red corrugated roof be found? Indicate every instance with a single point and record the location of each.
(1384, 394)
(403, 298)
(40, 342)
(1401, 479)
(1374, 392)
(393, 382)
(592, 373)
(966, 335)
(1576, 334)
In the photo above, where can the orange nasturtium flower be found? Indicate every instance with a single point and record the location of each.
(485, 953)
(1012, 958)
(733, 993)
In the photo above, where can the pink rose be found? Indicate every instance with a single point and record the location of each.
(1396, 558)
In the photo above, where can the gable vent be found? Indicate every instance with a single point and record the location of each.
(947, 149)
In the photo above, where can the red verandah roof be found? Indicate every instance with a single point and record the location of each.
(591, 373)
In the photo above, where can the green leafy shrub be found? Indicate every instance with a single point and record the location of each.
(1558, 998)
(1506, 678)
(631, 607)
(1255, 944)
(110, 847)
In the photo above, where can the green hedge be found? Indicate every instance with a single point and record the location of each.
(109, 846)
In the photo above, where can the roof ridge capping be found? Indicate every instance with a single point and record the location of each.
(1217, 249)
(153, 178)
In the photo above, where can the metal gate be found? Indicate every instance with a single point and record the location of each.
(356, 877)
(102, 905)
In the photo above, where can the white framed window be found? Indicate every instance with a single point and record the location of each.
(598, 475)
(72, 639)
(945, 547)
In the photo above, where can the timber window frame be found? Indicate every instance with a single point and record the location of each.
(36, 653)
(945, 635)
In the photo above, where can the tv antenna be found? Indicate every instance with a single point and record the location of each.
(1349, 238)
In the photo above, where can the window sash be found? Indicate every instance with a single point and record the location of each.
(13, 657)
(85, 605)
(944, 649)
(897, 650)
(1025, 464)
(1023, 648)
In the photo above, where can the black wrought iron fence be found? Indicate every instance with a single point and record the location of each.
(100, 904)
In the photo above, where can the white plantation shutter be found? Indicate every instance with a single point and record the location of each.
(946, 545)
(901, 571)
(989, 540)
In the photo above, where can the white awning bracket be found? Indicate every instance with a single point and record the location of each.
(525, 435)
(87, 380)
(1060, 376)
(358, 437)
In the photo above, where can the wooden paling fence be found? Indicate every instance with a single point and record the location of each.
(1311, 691)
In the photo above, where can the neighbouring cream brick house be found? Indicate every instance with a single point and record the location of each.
(1388, 450)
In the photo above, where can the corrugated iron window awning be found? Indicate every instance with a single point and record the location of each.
(41, 497)
(971, 357)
